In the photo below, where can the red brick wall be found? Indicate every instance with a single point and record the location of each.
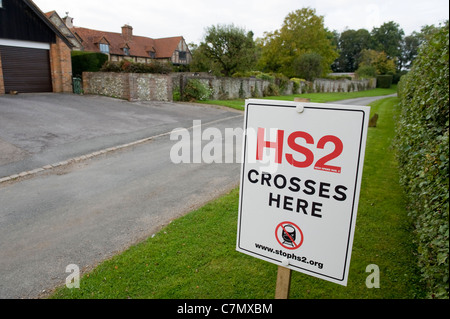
(61, 67)
(2, 83)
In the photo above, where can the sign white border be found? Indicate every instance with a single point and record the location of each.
(341, 279)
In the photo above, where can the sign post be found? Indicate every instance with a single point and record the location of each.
(300, 183)
(283, 283)
(284, 274)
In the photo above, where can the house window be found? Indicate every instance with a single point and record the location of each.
(1, 5)
(152, 54)
(182, 55)
(104, 48)
(126, 51)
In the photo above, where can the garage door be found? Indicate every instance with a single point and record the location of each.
(26, 70)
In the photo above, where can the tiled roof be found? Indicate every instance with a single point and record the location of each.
(139, 46)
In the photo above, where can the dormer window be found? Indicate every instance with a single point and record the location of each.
(152, 54)
(104, 48)
(126, 51)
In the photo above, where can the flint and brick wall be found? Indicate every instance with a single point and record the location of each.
(129, 86)
(158, 87)
(325, 85)
(225, 88)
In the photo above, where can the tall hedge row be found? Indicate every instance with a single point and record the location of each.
(423, 151)
(87, 62)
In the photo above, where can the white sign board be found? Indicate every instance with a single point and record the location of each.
(300, 183)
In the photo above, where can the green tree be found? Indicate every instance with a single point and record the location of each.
(227, 48)
(389, 38)
(201, 62)
(302, 32)
(411, 44)
(410, 49)
(308, 66)
(379, 60)
(351, 43)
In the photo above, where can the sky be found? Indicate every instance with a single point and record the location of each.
(189, 18)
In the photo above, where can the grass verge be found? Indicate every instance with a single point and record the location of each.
(239, 104)
(194, 257)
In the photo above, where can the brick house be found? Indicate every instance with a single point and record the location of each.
(126, 45)
(34, 55)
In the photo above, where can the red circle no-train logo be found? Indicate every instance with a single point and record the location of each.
(289, 235)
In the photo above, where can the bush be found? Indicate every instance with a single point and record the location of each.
(255, 74)
(423, 153)
(366, 71)
(196, 90)
(87, 62)
(176, 95)
(337, 77)
(384, 81)
(308, 66)
(271, 90)
(133, 67)
(398, 75)
(111, 67)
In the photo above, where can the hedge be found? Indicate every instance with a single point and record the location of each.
(87, 62)
(195, 90)
(384, 81)
(125, 66)
(423, 153)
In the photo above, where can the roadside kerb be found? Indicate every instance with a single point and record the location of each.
(16, 177)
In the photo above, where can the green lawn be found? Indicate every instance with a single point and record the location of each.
(194, 257)
(239, 104)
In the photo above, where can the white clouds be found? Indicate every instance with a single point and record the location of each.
(190, 18)
(410, 15)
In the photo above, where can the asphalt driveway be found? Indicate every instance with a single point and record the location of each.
(88, 211)
(41, 129)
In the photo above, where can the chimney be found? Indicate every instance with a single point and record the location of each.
(127, 32)
(68, 21)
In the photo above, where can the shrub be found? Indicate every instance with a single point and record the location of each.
(126, 66)
(255, 74)
(384, 81)
(111, 67)
(423, 153)
(308, 66)
(337, 77)
(282, 82)
(297, 86)
(271, 90)
(176, 95)
(398, 75)
(196, 90)
(87, 62)
(366, 71)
